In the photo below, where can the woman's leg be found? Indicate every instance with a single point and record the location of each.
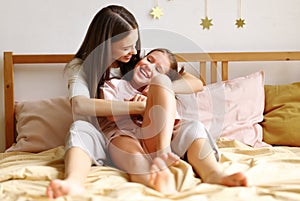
(129, 156)
(207, 167)
(159, 115)
(84, 143)
(77, 166)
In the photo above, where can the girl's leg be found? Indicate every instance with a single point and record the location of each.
(207, 167)
(77, 166)
(157, 127)
(128, 155)
(159, 115)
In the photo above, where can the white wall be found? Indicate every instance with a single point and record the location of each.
(55, 26)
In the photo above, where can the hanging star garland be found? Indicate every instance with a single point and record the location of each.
(240, 22)
(206, 23)
(156, 12)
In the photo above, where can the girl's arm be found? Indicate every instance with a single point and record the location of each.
(82, 105)
(187, 84)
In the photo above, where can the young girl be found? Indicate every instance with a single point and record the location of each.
(132, 146)
(111, 47)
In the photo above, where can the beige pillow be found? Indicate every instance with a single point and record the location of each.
(281, 123)
(42, 124)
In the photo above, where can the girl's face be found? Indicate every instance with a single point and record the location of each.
(123, 49)
(155, 63)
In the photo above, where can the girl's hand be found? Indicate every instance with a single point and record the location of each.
(145, 91)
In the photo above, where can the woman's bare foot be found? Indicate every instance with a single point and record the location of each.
(58, 188)
(161, 178)
(233, 180)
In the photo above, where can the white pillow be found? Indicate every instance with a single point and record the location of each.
(231, 109)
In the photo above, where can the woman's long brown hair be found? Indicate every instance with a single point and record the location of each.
(109, 25)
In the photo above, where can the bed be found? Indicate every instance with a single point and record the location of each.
(256, 129)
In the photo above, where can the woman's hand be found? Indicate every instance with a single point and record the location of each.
(136, 98)
(139, 97)
(138, 119)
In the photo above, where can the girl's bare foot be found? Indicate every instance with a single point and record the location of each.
(58, 188)
(233, 180)
(161, 178)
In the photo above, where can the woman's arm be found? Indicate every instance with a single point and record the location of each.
(187, 84)
(82, 105)
(85, 106)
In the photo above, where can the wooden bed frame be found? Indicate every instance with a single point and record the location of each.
(11, 59)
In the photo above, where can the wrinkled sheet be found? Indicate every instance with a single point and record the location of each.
(273, 174)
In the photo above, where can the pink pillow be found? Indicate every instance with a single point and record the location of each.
(230, 109)
(42, 124)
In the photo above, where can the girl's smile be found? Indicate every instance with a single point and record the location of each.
(153, 64)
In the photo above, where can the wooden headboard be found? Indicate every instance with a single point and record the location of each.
(10, 60)
(203, 59)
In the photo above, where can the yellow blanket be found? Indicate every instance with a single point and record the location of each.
(273, 174)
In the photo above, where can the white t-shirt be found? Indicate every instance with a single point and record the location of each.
(77, 79)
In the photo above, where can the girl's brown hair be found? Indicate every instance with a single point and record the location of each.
(173, 73)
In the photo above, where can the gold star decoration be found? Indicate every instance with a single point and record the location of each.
(206, 23)
(156, 12)
(240, 23)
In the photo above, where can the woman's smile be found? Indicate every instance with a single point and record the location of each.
(128, 57)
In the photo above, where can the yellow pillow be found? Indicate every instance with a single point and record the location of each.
(281, 125)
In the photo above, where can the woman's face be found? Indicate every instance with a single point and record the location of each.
(155, 63)
(123, 49)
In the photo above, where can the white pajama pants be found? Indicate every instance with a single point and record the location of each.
(84, 135)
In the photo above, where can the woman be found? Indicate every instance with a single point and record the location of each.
(111, 47)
